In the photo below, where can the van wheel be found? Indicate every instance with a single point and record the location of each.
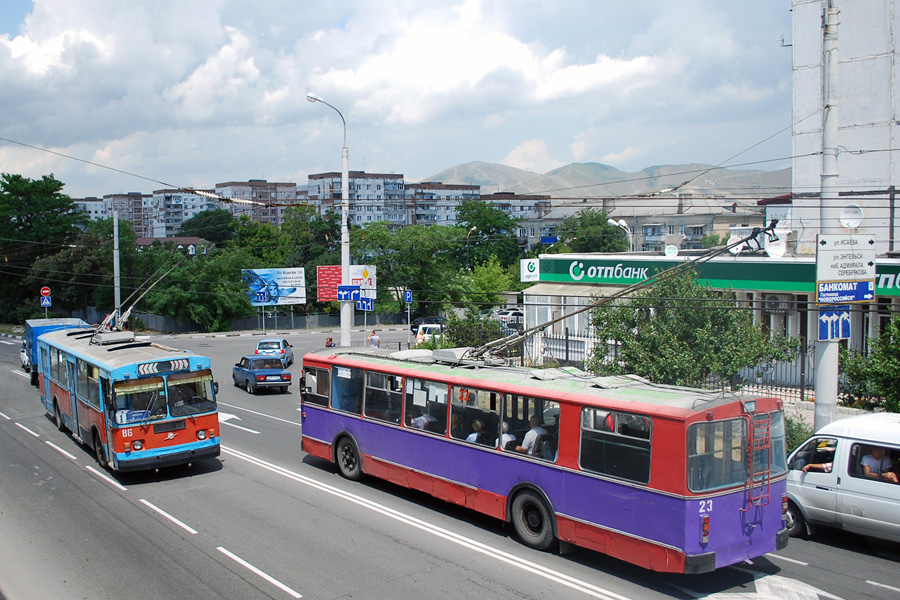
(348, 459)
(57, 417)
(793, 519)
(532, 520)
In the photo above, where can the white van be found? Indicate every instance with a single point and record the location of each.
(828, 484)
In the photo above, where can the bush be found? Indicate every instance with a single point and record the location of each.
(796, 432)
(869, 381)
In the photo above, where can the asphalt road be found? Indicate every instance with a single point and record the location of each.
(265, 521)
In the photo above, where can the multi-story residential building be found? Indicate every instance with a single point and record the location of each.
(263, 201)
(95, 208)
(433, 203)
(174, 207)
(373, 196)
(137, 208)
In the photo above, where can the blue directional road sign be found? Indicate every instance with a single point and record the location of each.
(407, 296)
(843, 292)
(834, 323)
(348, 292)
(365, 304)
(45, 302)
(262, 296)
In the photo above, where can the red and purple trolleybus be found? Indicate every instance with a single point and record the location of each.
(672, 479)
(138, 404)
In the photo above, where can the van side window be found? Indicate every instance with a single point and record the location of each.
(878, 463)
(815, 455)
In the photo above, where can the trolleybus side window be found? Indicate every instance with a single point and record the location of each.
(87, 385)
(535, 424)
(383, 396)
(475, 415)
(717, 454)
(139, 399)
(190, 393)
(425, 406)
(316, 385)
(616, 443)
(347, 389)
(58, 367)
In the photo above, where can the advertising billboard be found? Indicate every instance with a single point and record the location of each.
(275, 287)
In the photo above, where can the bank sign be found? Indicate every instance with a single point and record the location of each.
(763, 275)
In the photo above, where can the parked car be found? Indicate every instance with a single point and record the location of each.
(277, 347)
(428, 332)
(832, 481)
(510, 317)
(261, 372)
(419, 321)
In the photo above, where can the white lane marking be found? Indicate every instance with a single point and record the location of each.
(224, 419)
(7, 342)
(510, 559)
(26, 429)
(181, 524)
(262, 574)
(5, 416)
(890, 587)
(106, 478)
(21, 374)
(60, 450)
(790, 560)
(259, 414)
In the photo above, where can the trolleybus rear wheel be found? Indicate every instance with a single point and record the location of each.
(532, 520)
(58, 417)
(348, 459)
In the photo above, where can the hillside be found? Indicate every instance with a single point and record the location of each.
(581, 180)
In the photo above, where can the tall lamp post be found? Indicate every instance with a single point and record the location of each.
(474, 227)
(621, 224)
(346, 305)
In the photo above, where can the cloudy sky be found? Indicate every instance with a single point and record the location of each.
(192, 93)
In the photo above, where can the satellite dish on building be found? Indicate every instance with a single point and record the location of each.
(778, 247)
(851, 216)
(734, 249)
(671, 250)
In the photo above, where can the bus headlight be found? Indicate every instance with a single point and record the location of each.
(201, 434)
(137, 445)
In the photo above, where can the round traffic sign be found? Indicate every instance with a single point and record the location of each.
(45, 291)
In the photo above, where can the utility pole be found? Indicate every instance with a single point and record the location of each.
(117, 284)
(827, 353)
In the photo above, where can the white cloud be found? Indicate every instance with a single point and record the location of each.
(531, 155)
(215, 90)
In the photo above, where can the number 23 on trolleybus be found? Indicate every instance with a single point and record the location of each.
(138, 404)
(671, 479)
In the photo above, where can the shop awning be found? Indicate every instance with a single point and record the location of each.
(569, 289)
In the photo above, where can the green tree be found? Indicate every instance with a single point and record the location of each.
(420, 258)
(489, 281)
(471, 330)
(216, 226)
(206, 289)
(590, 231)
(36, 220)
(494, 233)
(679, 332)
(871, 379)
(711, 241)
(262, 241)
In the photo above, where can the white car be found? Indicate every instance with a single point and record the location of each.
(428, 332)
(277, 347)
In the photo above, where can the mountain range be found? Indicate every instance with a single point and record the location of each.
(593, 180)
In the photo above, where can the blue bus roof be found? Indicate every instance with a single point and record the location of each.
(114, 350)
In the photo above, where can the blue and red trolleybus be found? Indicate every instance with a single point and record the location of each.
(672, 479)
(138, 404)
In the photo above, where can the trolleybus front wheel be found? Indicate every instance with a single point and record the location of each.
(348, 459)
(532, 520)
(98, 450)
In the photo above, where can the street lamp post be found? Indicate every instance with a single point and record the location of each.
(467, 247)
(346, 305)
(621, 224)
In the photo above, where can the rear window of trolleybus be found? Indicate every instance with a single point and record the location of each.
(149, 398)
(717, 455)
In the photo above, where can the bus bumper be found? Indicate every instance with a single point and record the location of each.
(125, 462)
(699, 563)
(781, 540)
